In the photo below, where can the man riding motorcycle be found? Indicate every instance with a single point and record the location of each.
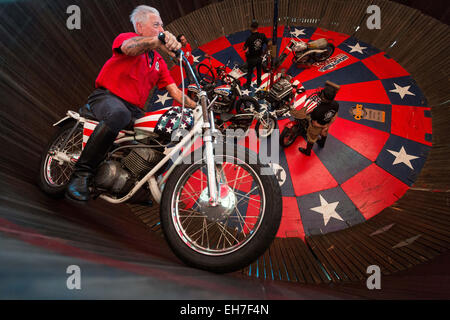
(122, 87)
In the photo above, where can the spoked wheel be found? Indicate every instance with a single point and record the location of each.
(265, 126)
(54, 174)
(247, 104)
(206, 73)
(288, 136)
(231, 235)
(318, 57)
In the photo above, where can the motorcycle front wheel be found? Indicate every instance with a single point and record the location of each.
(288, 136)
(54, 175)
(265, 126)
(231, 235)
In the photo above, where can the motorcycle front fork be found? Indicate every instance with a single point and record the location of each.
(213, 185)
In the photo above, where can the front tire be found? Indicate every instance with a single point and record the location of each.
(224, 238)
(265, 127)
(288, 136)
(53, 175)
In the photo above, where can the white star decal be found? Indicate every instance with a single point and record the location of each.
(196, 58)
(173, 121)
(183, 126)
(160, 127)
(357, 48)
(298, 32)
(178, 134)
(402, 157)
(164, 118)
(169, 130)
(328, 210)
(246, 92)
(163, 98)
(402, 91)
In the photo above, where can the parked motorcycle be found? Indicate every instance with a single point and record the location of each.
(248, 110)
(307, 52)
(210, 221)
(280, 97)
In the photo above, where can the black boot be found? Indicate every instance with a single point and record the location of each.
(94, 152)
(321, 141)
(306, 151)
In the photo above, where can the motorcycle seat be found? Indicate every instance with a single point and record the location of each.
(318, 44)
(86, 112)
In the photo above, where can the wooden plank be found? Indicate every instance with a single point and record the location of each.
(327, 250)
(353, 258)
(377, 251)
(354, 273)
(307, 262)
(328, 266)
(386, 243)
(280, 259)
(290, 262)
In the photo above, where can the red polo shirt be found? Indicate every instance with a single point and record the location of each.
(188, 53)
(132, 78)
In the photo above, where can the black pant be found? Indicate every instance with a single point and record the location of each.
(114, 111)
(253, 62)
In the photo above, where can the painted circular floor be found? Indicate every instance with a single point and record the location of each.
(368, 161)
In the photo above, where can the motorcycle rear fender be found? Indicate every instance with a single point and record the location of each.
(71, 116)
(63, 121)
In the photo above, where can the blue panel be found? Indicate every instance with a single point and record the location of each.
(314, 223)
(416, 154)
(199, 53)
(228, 54)
(366, 49)
(412, 95)
(340, 160)
(308, 32)
(354, 73)
(238, 37)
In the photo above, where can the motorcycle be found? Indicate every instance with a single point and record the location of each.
(248, 110)
(226, 87)
(280, 97)
(308, 52)
(210, 216)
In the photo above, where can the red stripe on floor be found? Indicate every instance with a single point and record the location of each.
(363, 139)
(383, 67)
(373, 190)
(410, 122)
(369, 92)
(308, 173)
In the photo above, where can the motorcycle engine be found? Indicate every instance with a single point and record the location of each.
(280, 90)
(119, 177)
(225, 98)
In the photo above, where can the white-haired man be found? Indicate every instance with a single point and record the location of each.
(122, 88)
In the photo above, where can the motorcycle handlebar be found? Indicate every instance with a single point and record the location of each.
(162, 38)
(178, 53)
